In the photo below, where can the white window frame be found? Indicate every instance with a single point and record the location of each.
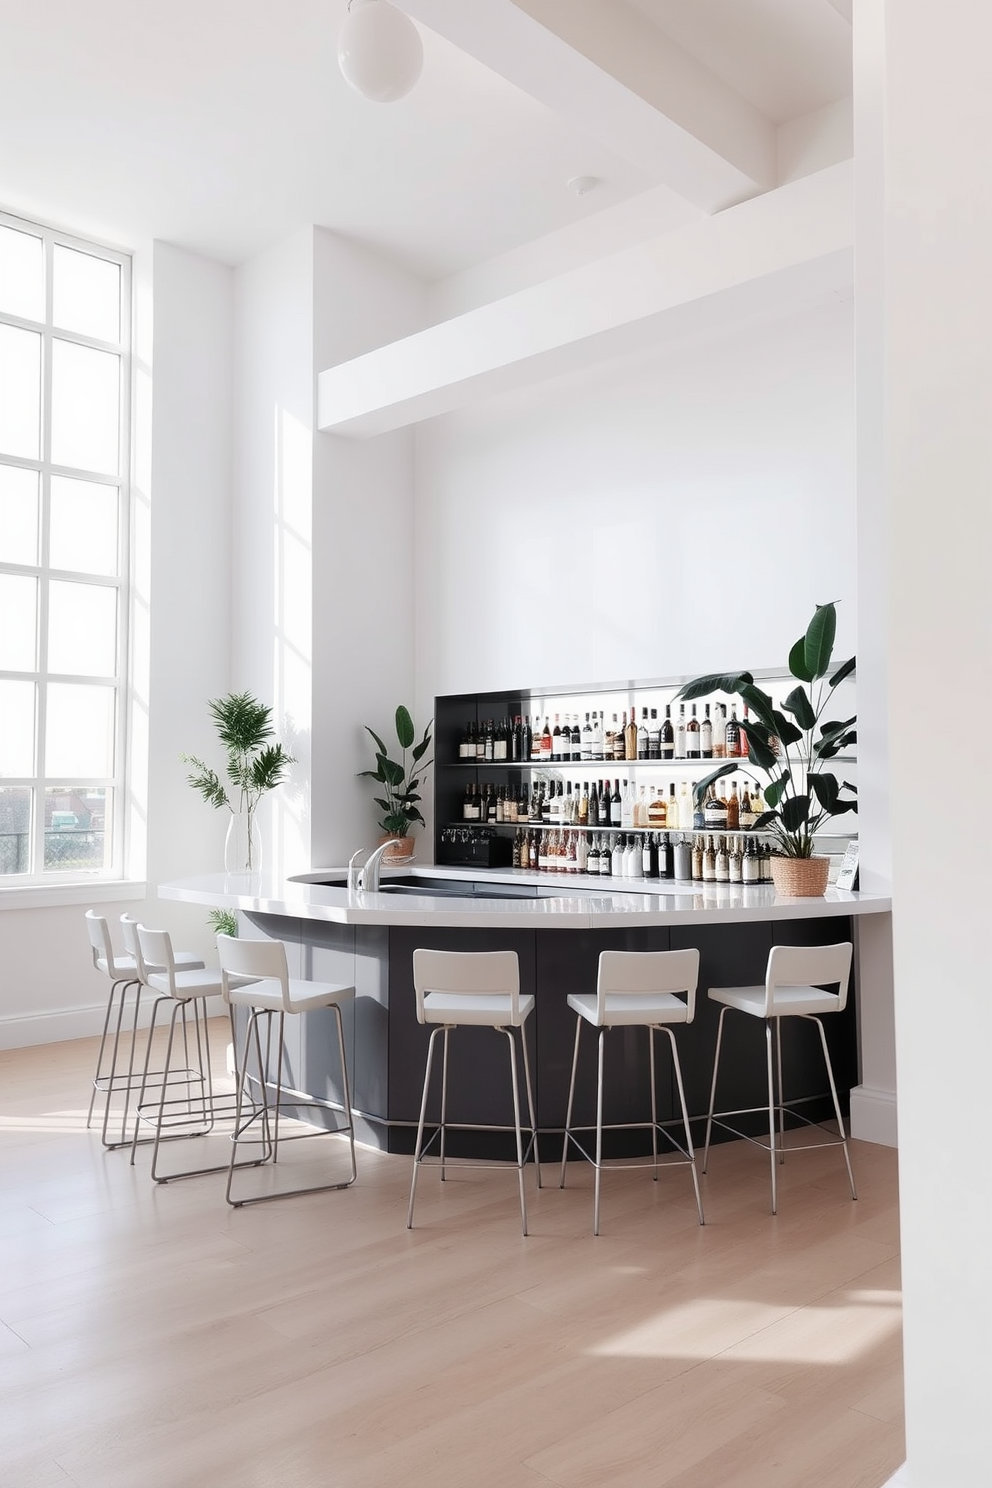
(24, 888)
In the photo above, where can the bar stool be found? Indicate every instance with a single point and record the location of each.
(269, 992)
(479, 989)
(639, 989)
(183, 991)
(794, 988)
(123, 973)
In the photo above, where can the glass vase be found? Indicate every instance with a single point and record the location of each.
(243, 844)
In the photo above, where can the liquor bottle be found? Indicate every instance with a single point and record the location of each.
(692, 750)
(745, 742)
(733, 808)
(620, 738)
(654, 736)
(468, 805)
(722, 861)
(666, 740)
(735, 860)
(582, 817)
(598, 743)
(641, 809)
(643, 737)
(587, 739)
(616, 806)
(682, 859)
(680, 733)
(749, 863)
(687, 806)
(632, 738)
(576, 739)
(715, 811)
(706, 735)
(603, 804)
(514, 740)
(697, 859)
(571, 859)
(672, 818)
(581, 852)
(720, 731)
(501, 741)
(709, 862)
(733, 735)
(616, 857)
(466, 744)
(609, 738)
(546, 743)
(657, 810)
(487, 740)
(523, 806)
(501, 804)
(747, 813)
(627, 806)
(632, 866)
(666, 858)
(556, 741)
(699, 812)
(649, 856)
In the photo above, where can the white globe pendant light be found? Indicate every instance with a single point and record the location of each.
(379, 51)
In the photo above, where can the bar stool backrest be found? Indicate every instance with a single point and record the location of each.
(808, 966)
(467, 974)
(102, 948)
(154, 955)
(646, 974)
(129, 934)
(257, 960)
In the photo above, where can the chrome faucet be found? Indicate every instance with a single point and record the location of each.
(366, 878)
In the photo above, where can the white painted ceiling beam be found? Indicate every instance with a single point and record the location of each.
(775, 251)
(643, 96)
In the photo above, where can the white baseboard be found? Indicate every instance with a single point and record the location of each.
(873, 1116)
(56, 1025)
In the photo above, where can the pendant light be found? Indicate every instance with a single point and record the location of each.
(379, 51)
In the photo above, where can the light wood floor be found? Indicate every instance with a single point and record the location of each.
(151, 1337)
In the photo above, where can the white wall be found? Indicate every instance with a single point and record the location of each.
(680, 513)
(938, 246)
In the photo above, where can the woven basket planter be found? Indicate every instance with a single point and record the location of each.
(800, 878)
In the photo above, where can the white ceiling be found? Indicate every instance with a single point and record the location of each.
(224, 125)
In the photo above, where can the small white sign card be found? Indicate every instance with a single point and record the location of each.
(847, 875)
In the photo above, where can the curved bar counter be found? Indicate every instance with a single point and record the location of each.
(558, 930)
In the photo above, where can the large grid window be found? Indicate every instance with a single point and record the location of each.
(64, 459)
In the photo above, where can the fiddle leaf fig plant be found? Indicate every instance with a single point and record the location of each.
(791, 745)
(400, 781)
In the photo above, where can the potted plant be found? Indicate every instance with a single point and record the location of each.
(254, 766)
(790, 746)
(400, 782)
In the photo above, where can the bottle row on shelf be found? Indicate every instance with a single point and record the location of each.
(522, 740)
(697, 857)
(616, 803)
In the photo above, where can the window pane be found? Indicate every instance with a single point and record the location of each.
(20, 392)
(82, 630)
(22, 274)
(18, 515)
(85, 407)
(15, 830)
(75, 829)
(80, 730)
(83, 530)
(17, 728)
(86, 294)
(18, 623)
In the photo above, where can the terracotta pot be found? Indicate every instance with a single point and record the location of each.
(401, 850)
(800, 878)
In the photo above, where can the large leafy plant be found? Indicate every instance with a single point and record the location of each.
(399, 802)
(254, 765)
(801, 795)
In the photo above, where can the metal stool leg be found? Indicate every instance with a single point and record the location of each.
(571, 1097)
(685, 1122)
(771, 1113)
(716, 1066)
(418, 1149)
(833, 1092)
(530, 1101)
(654, 1101)
(516, 1125)
(444, 1097)
(599, 1131)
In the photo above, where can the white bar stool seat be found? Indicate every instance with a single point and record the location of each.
(635, 989)
(122, 969)
(792, 989)
(479, 989)
(255, 976)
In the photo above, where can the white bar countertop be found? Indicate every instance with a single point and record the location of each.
(562, 902)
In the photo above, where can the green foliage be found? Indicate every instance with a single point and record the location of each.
(399, 801)
(801, 796)
(253, 765)
(223, 921)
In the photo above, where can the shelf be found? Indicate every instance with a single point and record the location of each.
(640, 764)
(458, 826)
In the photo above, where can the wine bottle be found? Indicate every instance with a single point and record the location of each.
(643, 737)
(692, 750)
(733, 735)
(666, 739)
(556, 741)
(706, 735)
(631, 736)
(587, 740)
(680, 733)
(654, 736)
(616, 806)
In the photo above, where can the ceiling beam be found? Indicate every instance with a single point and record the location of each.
(777, 251)
(602, 66)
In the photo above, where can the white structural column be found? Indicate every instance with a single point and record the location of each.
(873, 1101)
(938, 466)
